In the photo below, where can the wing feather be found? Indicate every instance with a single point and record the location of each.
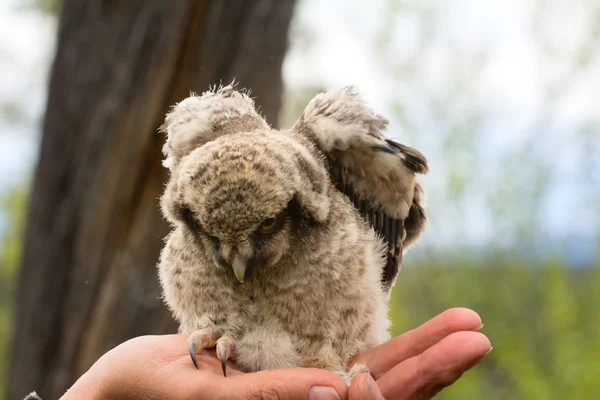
(377, 174)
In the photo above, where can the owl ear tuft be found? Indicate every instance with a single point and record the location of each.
(197, 120)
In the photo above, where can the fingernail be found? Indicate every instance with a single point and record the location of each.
(322, 393)
(374, 392)
(480, 327)
(489, 351)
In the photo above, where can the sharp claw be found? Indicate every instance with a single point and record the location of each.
(224, 366)
(223, 350)
(193, 347)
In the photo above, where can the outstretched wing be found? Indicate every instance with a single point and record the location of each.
(377, 174)
(197, 120)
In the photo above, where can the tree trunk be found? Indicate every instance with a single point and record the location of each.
(88, 280)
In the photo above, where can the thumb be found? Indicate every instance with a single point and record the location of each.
(286, 384)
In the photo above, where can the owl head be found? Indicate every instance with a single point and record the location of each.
(245, 192)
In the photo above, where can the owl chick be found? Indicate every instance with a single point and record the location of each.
(285, 244)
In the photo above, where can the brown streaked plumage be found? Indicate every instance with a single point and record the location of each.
(285, 244)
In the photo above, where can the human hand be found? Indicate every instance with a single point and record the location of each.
(159, 367)
(420, 363)
(414, 365)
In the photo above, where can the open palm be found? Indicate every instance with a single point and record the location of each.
(414, 365)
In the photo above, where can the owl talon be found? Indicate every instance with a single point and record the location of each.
(223, 363)
(200, 340)
(224, 347)
(356, 370)
(193, 347)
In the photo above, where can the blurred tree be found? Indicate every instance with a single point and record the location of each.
(88, 278)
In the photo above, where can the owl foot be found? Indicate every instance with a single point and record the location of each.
(356, 369)
(206, 339)
(200, 340)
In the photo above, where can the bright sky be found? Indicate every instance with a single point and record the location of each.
(507, 91)
(26, 46)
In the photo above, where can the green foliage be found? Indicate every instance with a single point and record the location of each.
(542, 321)
(12, 208)
(50, 7)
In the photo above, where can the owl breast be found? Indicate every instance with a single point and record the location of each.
(266, 346)
(314, 308)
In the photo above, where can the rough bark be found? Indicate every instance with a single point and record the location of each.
(88, 280)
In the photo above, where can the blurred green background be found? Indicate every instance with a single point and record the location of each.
(503, 102)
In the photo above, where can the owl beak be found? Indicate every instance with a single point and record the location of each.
(239, 268)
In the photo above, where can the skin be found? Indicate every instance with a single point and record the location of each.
(415, 365)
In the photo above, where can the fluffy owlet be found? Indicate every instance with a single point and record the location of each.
(285, 244)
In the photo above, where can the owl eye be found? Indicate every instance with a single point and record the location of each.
(268, 225)
(189, 218)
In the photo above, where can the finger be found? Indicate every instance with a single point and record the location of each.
(289, 384)
(382, 358)
(439, 366)
(364, 387)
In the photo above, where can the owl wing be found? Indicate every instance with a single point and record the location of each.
(197, 120)
(377, 174)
